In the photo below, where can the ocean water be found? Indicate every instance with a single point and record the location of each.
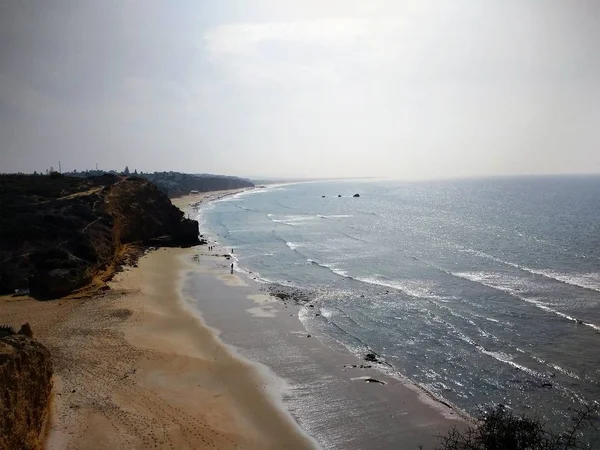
(482, 292)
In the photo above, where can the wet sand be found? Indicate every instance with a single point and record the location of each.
(327, 391)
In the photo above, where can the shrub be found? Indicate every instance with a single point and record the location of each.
(500, 429)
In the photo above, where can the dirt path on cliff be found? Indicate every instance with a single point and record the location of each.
(133, 370)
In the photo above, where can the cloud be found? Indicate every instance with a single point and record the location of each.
(285, 52)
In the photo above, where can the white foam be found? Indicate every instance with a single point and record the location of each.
(334, 216)
(335, 269)
(584, 280)
(413, 287)
(293, 245)
(514, 287)
(589, 280)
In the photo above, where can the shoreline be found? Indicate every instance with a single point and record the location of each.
(428, 397)
(133, 369)
(437, 413)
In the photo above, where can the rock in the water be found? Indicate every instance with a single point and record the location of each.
(25, 373)
(356, 195)
(339, 195)
(372, 357)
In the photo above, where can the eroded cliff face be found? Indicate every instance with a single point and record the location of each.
(58, 233)
(25, 381)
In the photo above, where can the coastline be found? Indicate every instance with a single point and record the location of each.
(134, 370)
(179, 353)
(323, 376)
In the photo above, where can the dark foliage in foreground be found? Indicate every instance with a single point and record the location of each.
(500, 429)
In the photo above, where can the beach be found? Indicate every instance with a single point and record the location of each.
(179, 353)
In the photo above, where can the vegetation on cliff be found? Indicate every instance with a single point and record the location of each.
(58, 232)
(25, 377)
(176, 184)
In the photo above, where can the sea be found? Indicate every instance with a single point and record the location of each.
(483, 292)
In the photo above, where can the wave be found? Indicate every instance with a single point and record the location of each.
(293, 245)
(283, 222)
(292, 221)
(494, 281)
(555, 367)
(584, 280)
(330, 267)
(499, 356)
(412, 288)
(589, 281)
(247, 209)
(349, 236)
(334, 216)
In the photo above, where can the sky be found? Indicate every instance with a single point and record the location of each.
(283, 88)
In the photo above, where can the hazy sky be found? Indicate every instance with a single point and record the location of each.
(315, 88)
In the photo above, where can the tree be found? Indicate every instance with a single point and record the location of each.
(126, 171)
(135, 172)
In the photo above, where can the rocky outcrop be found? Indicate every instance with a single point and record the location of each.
(356, 195)
(59, 232)
(25, 377)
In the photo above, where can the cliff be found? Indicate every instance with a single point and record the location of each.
(59, 233)
(25, 377)
(176, 184)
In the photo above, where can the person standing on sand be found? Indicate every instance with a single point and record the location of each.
(231, 268)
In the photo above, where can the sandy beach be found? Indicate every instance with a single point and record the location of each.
(133, 370)
(163, 360)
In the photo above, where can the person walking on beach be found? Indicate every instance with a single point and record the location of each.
(231, 268)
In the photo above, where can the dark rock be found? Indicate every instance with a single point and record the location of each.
(26, 330)
(372, 357)
(356, 195)
(285, 293)
(339, 195)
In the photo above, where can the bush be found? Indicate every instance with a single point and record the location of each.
(501, 429)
